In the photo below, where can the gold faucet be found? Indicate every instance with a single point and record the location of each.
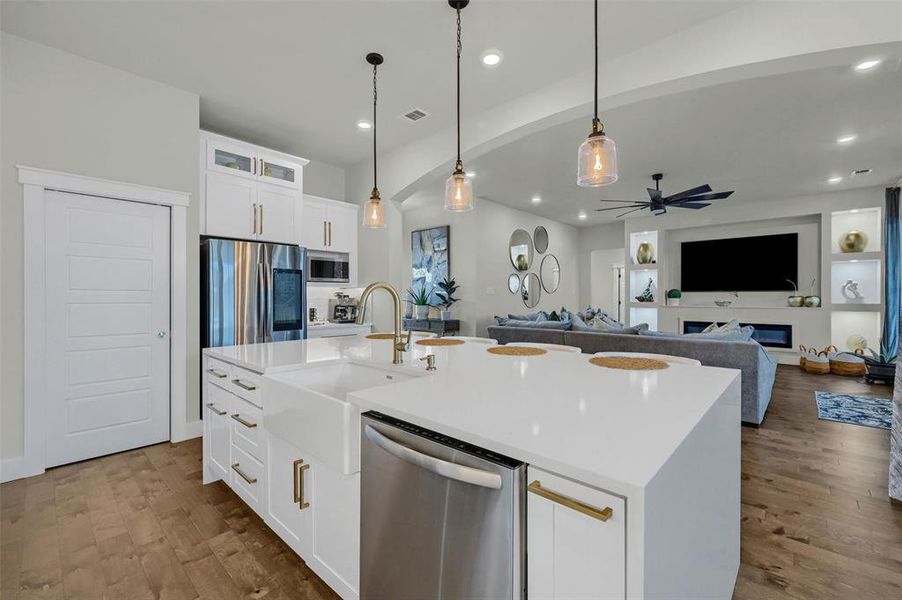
(399, 344)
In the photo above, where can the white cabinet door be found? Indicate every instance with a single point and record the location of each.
(283, 509)
(342, 228)
(230, 206)
(274, 169)
(234, 159)
(313, 224)
(277, 206)
(216, 431)
(571, 555)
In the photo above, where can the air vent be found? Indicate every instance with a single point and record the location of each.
(415, 115)
(860, 172)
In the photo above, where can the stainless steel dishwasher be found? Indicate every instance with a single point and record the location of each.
(439, 518)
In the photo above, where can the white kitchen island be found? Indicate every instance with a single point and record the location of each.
(660, 448)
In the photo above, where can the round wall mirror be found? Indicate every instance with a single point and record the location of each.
(540, 237)
(551, 273)
(521, 250)
(531, 290)
(513, 283)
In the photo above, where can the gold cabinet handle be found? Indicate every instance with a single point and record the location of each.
(261, 218)
(294, 474)
(255, 218)
(217, 373)
(325, 243)
(330, 234)
(255, 165)
(248, 424)
(246, 386)
(212, 407)
(237, 468)
(300, 466)
(602, 514)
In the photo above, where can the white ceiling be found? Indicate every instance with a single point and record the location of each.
(772, 137)
(291, 75)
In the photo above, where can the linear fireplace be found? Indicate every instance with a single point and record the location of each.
(767, 334)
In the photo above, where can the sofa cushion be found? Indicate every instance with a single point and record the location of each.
(563, 325)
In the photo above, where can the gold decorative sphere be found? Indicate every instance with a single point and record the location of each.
(853, 241)
(645, 253)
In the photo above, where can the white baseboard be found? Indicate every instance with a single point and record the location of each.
(188, 431)
(17, 468)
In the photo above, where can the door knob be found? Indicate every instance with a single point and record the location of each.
(161, 334)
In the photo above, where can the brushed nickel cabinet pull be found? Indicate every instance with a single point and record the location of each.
(295, 473)
(217, 373)
(302, 466)
(212, 407)
(248, 424)
(602, 514)
(247, 386)
(237, 468)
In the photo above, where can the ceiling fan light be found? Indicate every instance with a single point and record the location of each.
(374, 212)
(459, 192)
(597, 161)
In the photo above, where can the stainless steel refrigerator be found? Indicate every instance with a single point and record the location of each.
(251, 292)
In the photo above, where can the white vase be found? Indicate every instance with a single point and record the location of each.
(421, 312)
(674, 301)
(446, 314)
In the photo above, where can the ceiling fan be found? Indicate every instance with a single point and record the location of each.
(696, 197)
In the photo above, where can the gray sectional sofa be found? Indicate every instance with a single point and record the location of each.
(758, 368)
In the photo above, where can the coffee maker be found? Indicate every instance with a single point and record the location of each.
(342, 308)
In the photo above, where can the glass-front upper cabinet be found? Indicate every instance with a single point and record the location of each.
(246, 160)
(275, 169)
(230, 158)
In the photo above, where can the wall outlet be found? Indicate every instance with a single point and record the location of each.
(489, 291)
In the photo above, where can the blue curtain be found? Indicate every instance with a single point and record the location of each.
(889, 344)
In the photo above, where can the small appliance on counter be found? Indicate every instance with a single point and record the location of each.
(342, 308)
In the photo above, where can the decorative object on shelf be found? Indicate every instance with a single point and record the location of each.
(267, 171)
(550, 273)
(849, 291)
(881, 366)
(531, 290)
(673, 297)
(645, 253)
(520, 248)
(648, 294)
(373, 211)
(430, 257)
(458, 187)
(446, 296)
(516, 351)
(696, 198)
(795, 300)
(513, 283)
(812, 300)
(232, 165)
(723, 303)
(420, 300)
(853, 241)
(597, 156)
(540, 239)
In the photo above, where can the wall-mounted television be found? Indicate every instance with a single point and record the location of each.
(760, 263)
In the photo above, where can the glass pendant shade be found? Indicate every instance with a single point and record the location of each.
(459, 192)
(373, 213)
(597, 161)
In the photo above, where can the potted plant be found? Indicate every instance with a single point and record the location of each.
(420, 301)
(881, 366)
(673, 297)
(446, 296)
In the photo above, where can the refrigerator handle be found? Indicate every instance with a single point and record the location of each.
(260, 330)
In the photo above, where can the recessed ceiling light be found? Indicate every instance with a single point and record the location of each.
(536, 199)
(834, 180)
(867, 65)
(846, 139)
(582, 215)
(364, 125)
(492, 58)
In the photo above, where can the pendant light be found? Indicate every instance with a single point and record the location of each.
(597, 162)
(373, 213)
(458, 187)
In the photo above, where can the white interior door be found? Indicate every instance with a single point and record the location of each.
(107, 314)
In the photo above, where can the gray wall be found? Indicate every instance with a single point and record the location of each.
(62, 112)
(609, 236)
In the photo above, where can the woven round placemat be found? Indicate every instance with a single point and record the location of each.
(628, 363)
(381, 336)
(517, 350)
(439, 342)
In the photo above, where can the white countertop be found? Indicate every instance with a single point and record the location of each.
(606, 427)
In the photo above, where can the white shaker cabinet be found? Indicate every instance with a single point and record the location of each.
(278, 210)
(329, 225)
(216, 431)
(573, 553)
(287, 472)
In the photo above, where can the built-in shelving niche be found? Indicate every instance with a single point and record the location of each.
(866, 220)
(845, 323)
(866, 273)
(639, 274)
(644, 315)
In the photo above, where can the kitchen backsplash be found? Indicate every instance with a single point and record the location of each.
(318, 298)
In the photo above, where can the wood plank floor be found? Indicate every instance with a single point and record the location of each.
(816, 520)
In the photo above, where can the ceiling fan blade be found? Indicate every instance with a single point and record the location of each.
(691, 204)
(637, 205)
(627, 201)
(701, 198)
(629, 211)
(686, 193)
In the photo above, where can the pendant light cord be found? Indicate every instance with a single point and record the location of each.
(459, 48)
(375, 187)
(595, 97)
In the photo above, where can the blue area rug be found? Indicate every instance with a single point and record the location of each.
(857, 410)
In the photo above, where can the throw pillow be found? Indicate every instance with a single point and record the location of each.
(535, 316)
(710, 328)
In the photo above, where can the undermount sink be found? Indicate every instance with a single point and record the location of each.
(308, 407)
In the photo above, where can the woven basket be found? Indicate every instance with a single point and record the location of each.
(848, 368)
(817, 367)
(803, 352)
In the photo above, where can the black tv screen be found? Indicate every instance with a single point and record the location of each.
(747, 264)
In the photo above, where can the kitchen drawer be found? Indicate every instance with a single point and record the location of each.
(246, 384)
(247, 427)
(246, 478)
(218, 372)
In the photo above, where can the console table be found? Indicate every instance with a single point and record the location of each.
(449, 327)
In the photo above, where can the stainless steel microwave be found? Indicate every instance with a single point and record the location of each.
(328, 267)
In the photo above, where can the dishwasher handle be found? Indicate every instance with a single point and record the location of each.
(438, 466)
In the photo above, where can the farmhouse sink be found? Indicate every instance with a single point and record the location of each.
(308, 407)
